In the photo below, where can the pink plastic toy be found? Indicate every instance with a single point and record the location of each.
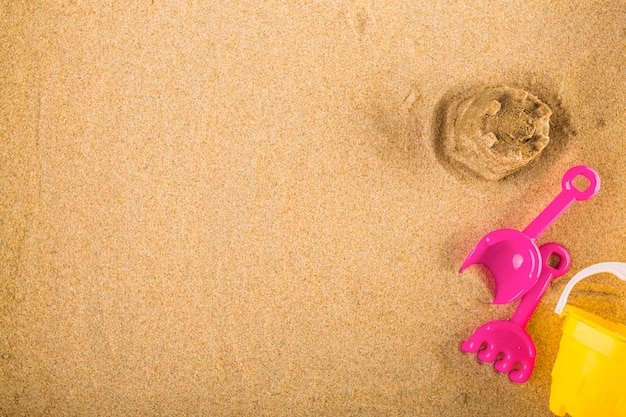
(512, 256)
(507, 342)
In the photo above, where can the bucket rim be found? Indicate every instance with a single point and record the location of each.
(616, 268)
(610, 328)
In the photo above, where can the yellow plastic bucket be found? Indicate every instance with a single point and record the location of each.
(589, 375)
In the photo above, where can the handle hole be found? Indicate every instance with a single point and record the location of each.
(554, 260)
(581, 183)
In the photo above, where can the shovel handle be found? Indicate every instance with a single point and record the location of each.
(569, 193)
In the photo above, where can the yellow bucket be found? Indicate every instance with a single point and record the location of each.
(589, 375)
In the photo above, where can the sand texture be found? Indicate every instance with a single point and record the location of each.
(243, 208)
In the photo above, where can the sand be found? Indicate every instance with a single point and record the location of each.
(239, 209)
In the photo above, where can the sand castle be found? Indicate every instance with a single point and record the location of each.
(495, 131)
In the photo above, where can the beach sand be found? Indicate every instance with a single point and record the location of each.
(240, 209)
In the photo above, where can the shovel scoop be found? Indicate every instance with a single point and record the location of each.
(513, 257)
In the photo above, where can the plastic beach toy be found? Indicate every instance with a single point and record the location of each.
(512, 256)
(507, 342)
(589, 375)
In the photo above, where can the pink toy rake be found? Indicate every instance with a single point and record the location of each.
(506, 343)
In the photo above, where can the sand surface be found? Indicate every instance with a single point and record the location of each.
(238, 208)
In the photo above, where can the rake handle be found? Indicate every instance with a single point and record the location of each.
(531, 299)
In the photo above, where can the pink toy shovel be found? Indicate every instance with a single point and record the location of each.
(507, 342)
(512, 256)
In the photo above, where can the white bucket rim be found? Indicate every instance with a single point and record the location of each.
(616, 268)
